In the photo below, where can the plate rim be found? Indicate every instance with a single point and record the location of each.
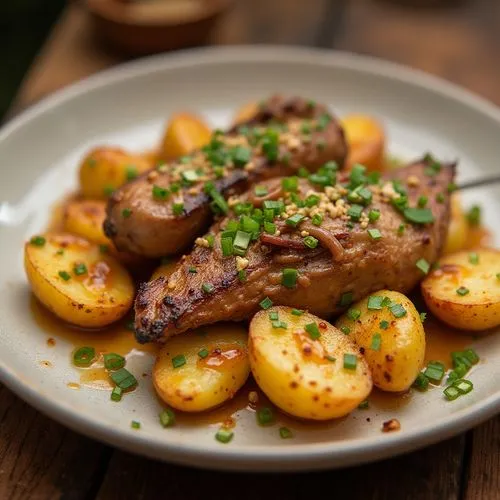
(307, 456)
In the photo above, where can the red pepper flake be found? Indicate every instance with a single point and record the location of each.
(322, 325)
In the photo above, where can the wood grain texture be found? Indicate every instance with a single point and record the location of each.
(430, 473)
(40, 459)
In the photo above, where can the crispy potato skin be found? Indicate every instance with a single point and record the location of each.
(94, 299)
(366, 140)
(105, 169)
(295, 374)
(203, 383)
(479, 309)
(401, 355)
(85, 218)
(184, 133)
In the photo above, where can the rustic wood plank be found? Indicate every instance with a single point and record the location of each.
(40, 459)
(482, 479)
(430, 473)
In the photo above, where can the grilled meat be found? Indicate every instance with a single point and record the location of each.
(370, 238)
(168, 207)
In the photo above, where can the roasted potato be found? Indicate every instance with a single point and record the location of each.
(458, 229)
(105, 169)
(185, 132)
(78, 283)
(366, 140)
(315, 379)
(246, 112)
(394, 347)
(201, 369)
(465, 290)
(84, 218)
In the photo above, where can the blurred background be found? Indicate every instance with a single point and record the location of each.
(47, 44)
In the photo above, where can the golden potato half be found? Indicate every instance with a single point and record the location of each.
(201, 369)
(465, 290)
(306, 366)
(78, 283)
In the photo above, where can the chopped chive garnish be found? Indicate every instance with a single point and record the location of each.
(474, 258)
(350, 361)
(178, 361)
(332, 359)
(261, 191)
(207, 287)
(265, 416)
(295, 220)
(226, 246)
(440, 198)
(131, 172)
(241, 242)
(376, 342)
(178, 208)
(401, 229)
(224, 436)
(353, 314)
(84, 356)
(397, 310)
(126, 213)
(124, 379)
(242, 275)
(317, 219)
(159, 193)
(135, 425)
(113, 361)
(297, 312)
(167, 417)
(355, 211)
(190, 176)
(462, 291)
(375, 234)
(345, 330)
(279, 324)
(313, 330)
(463, 386)
(273, 315)
(451, 393)
(421, 382)
(192, 270)
(116, 394)
(203, 353)
(104, 249)
(310, 242)
(422, 201)
(266, 303)
(423, 315)
(435, 371)
(418, 215)
(364, 405)
(346, 299)
(37, 241)
(474, 215)
(80, 269)
(375, 302)
(64, 275)
(471, 355)
(290, 184)
(423, 265)
(289, 277)
(312, 200)
(384, 324)
(373, 215)
(285, 433)
(269, 227)
(108, 191)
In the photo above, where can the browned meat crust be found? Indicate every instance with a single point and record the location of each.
(152, 228)
(347, 261)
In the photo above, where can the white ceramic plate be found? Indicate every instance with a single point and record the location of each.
(39, 153)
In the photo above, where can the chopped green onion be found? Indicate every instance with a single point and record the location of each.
(265, 416)
(463, 386)
(474, 258)
(345, 330)
(84, 356)
(310, 242)
(126, 213)
(241, 155)
(317, 219)
(418, 215)
(346, 299)
(135, 425)
(330, 358)
(116, 394)
(421, 382)
(290, 184)
(227, 246)
(471, 355)
(376, 342)
(423, 265)
(401, 229)
(451, 393)
(242, 275)
(241, 242)
(285, 433)
(313, 330)
(104, 249)
(192, 270)
(373, 215)
(422, 201)
(423, 315)
(219, 204)
(297, 312)
(124, 379)
(279, 324)
(37, 241)
(80, 269)
(203, 353)
(397, 310)
(323, 122)
(190, 176)
(434, 371)
(462, 291)
(266, 303)
(167, 418)
(178, 208)
(269, 227)
(224, 436)
(350, 361)
(178, 361)
(312, 200)
(113, 361)
(160, 193)
(273, 315)
(260, 191)
(355, 211)
(375, 302)
(249, 225)
(364, 405)
(207, 287)
(440, 198)
(384, 324)
(275, 205)
(474, 215)
(375, 234)
(295, 220)
(353, 314)
(64, 275)
(108, 191)
(289, 277)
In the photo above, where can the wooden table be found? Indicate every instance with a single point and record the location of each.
(40, 459)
